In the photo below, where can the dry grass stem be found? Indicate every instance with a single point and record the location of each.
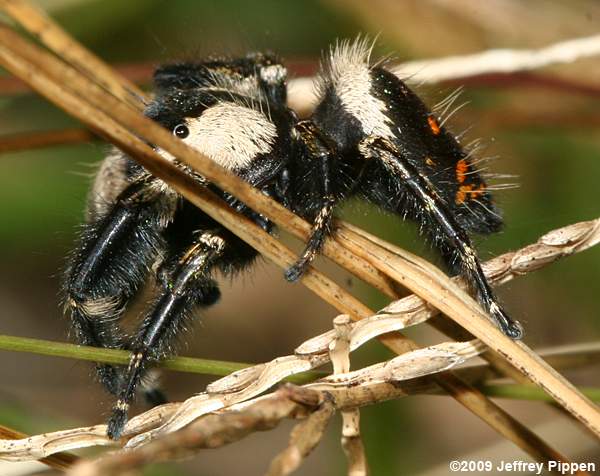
(412, 309)
(339, 353)
(427, 281)
(172, 417)
(37, 140)
(212, 431)
(302, 90)
(304, 438)
(572, 356)
(60, 460)
(252, 383)
(357, 459)
(548, 248)
(40, 25)
(500, 61)
(349, 390)
(211, 428)
(42, 446)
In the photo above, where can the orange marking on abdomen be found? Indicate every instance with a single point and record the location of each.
(469, 192)
(433, 125)
(461, 169)
(461, 195)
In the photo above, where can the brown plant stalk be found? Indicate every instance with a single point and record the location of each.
(40, 25)
(60, 461)
(213, 431)
(50, 443)
(41, 139)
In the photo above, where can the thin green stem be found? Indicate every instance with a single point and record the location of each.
(113, 356)
(121, 357)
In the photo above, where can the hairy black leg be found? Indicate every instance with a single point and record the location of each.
(320, 230)
(452, 234)
(109, 264)
(186, 284)
(324, 200)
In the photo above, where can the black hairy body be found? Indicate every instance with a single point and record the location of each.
(370, 136)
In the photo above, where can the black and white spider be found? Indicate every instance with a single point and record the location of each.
(370, 136)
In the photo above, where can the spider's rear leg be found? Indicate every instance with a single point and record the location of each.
(442, 225)
(323, 195)
(185, 285)
(108, 266)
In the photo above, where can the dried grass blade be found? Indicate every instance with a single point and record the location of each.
(418, 363)
(587, 353)
(302, 90)
(59, 460)
(211, 431)
(304, 438)
(40, 25)
(42, 139)
(547, 249)
(436, 288)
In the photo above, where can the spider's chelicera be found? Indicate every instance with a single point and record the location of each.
(370, 136)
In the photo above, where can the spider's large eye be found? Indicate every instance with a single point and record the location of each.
(181, 131)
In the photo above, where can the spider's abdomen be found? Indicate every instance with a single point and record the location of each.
(361, 101)
(423, 139)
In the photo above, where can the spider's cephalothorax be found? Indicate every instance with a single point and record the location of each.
(370, 136)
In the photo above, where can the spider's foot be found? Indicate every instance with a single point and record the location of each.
(510, 328)
(117, 420)
(295, 272)
(514, 331)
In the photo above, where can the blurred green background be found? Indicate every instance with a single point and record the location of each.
(546, 136)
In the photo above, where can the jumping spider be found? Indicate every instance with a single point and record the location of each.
(370, 136)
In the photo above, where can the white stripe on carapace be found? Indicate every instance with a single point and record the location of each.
(231, 135)
(348, 71)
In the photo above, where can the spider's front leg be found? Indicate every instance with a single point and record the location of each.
(185, 285)
(443, 226)
(321, 211)
(110, 263)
